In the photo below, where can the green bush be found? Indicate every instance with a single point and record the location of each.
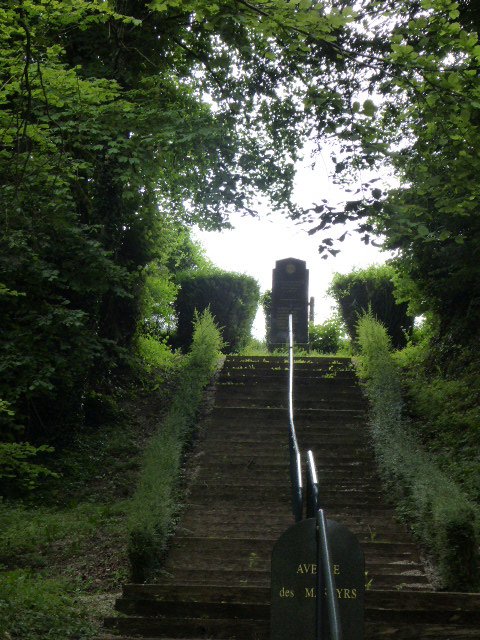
(445, 408)
(372, 289)
(231, 297)
(328, 337)
(439, 513)
(34, 608)
(17, 473)
(156, 498)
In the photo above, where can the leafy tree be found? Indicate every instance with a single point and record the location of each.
(117, 116)
(420, 63)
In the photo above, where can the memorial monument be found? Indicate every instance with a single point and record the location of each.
(289, 295)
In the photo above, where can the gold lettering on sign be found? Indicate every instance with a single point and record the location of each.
(287, 593)
(342, 594)
(350, 594)
(311, 569)
(306, 569)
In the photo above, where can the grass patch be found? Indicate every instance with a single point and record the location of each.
(436, 508)
(156, 498)
(63, 549)
(33, 607)
(260, 348)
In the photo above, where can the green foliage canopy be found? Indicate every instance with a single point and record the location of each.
(118, 120)
(118, 116)
(421, 63)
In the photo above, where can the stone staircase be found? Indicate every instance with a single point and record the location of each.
(217, 574)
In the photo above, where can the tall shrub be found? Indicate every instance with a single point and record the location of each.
(435, 507)
(155, 500)
(372, 289)
(328, 337)
(231, 297)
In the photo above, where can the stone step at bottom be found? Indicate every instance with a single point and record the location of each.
(190, 628)
(262, 578)
(428, 631)
(188, 608)
(259, 629)
(374, 599)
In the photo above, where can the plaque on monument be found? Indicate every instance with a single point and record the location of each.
(289, 296)
(294, 578)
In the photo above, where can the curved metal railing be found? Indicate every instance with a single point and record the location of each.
(325, 578)
(295, 458)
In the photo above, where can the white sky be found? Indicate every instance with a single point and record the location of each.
(254, 245)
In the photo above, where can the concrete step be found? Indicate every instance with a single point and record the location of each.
(200, 611)
(197, 525)
(313, 366)
(190, 627)
(343, 378)
(267, 415)
(272, 494)
(241, 401)
(417, 631)
(272, 362)
(270, 446)
(330, 481)
(306, 385)
(279, 475)
(253, 577)
(430, 606)
(239, 427)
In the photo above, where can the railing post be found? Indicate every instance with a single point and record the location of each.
(325, 560)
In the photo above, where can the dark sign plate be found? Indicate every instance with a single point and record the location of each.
(294, 569)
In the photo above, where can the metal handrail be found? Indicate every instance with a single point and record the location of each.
(295, 459)
(325, 577)
(313, 494)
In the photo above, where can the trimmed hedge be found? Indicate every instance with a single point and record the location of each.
(156, 498)
(231, 297)
(441, 516)
(372, 290)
